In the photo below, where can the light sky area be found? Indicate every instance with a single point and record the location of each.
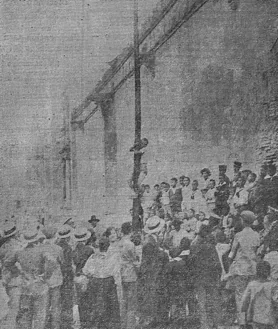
(48, 47)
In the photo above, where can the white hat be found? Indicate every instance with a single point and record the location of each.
(32, 235)
(154, 224)
(64, 232)
(9, 230)
(81, 234)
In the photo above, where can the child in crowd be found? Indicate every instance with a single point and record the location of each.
(250, 181)
(227, 224)
(137, 240)
(260, 299)
(191, 223)
(201, 221)
(165, 201)
(147, 201)
(210, 195)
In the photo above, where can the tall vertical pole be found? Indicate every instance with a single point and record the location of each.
(137, 157)
(137, 76)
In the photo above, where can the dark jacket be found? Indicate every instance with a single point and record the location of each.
(175, 199)
(222, 194)
(206, 264)
(67, 265)
(180, 275)
(80, 256)
(152, 280)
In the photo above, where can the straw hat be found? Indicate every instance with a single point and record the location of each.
(32, 235)
(154, 225)
(248, 217)
(9, 230)
(81, 234)
(64, 232)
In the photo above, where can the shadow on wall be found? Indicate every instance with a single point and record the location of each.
(220, 108)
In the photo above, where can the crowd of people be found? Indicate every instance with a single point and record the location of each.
(207, 256)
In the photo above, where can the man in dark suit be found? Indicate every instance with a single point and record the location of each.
(175, 195)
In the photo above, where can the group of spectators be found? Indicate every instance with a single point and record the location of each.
(207, 256)
(218, 197)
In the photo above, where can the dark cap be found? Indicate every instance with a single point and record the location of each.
(222, 167)
(237, 164)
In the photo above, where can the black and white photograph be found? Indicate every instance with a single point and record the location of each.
(139, 164)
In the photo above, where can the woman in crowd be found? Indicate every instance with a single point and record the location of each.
(114, 252)
(243, 258)
(102, 272)
(170, 274)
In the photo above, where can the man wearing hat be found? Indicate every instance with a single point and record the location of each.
(243, 259)
(32, 263)
(237, 173)
(237, 166)
(81, 254)
(222, 171)
(151, 292)
(64, 235)
(10, 274)
(92, 226)
(222, 195)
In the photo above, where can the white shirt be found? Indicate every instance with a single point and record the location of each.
(177, 236)
(186, 193)
(173, 189)
(240, 197)
(147, 199)
(204, 183)
(165, 198)
(102, 265)
(243, 252)
(221, 249)
(210, 195)
(272, 258)
(197, 202)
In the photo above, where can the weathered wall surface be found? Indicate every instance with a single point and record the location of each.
(89, 194)
(213, 99)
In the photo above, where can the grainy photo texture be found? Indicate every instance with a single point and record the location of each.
(139, 164)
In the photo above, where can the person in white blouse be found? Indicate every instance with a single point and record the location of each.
(240, 198)
(196, 198)
(103, 272)
(186, 192)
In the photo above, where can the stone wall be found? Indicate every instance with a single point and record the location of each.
(211, 97)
